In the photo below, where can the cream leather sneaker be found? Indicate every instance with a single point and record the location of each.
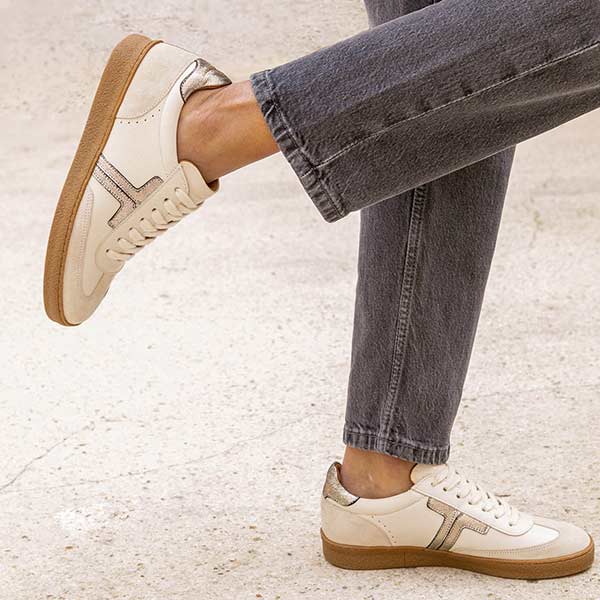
(446, 520)
(126, 185)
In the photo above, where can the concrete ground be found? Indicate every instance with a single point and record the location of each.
(174, 446)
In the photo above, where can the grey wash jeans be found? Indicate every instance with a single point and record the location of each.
(413, 123)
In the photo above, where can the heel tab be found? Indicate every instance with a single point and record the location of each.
(334, 490)
(203, 77)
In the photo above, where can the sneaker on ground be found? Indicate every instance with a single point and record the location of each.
(446, 520)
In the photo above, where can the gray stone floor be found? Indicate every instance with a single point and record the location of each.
(174, 446)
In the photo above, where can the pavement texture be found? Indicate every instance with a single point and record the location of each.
(173, 447)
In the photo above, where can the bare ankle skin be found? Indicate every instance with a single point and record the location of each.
(222, 130)
(374, 475)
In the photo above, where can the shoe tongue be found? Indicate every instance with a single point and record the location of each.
(198, 188)
(420, 471)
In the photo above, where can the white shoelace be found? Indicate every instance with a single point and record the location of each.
(149, 229)
(475, 495)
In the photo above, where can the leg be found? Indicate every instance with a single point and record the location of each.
(423, 263)
(423, 266)
(426, 94)
(419, 97)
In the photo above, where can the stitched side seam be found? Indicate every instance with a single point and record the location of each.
(492, 86)
(405, 303)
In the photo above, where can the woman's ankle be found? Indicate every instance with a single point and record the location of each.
(222, 130)
(371, 474)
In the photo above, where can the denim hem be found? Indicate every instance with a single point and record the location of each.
(331, 209)
(398, 448)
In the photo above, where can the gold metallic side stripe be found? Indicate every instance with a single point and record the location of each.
(452, 526)
(463, 522)
(119, 187)
(450, 515)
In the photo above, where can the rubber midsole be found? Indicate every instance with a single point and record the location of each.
(116, 78)
(386, 557)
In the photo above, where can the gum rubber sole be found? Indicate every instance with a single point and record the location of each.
(118, 74)
(383, 557)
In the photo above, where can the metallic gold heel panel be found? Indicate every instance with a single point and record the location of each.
(203, 77)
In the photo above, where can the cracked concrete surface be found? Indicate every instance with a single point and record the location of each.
(174, 446)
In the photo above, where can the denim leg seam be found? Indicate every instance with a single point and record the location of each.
(501, 83)
(311, 169)
(404, 305)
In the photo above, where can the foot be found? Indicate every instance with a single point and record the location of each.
(126, 184)
(446, 520)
